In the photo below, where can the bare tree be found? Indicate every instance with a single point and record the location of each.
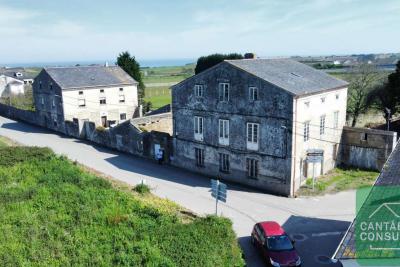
(365, 78)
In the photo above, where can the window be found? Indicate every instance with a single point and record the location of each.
(81, 103)
(223, 92)
(252, 168)
(252, 136)
(199, 153)
(364, 137)
(306, 131)
(323, 99)
(223, 162)
(121, 99)
(101, 90)
(121, 89)
(80, 92)
(40, 84)
(198, 128)
(51, 86)
(336, 119)
(53, 103)
(307, 104)
(122, 116)
(224, 132)
(322, 125)
(253, 93)
(337, 96)
(103, 101)
(199, 90)
(42, 101)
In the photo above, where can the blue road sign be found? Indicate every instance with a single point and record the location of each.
(218, 191)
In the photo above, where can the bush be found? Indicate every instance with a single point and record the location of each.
(142, 189)
(100, 128)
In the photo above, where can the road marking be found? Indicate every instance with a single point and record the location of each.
(326, 234)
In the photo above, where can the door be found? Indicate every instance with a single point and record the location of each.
(104, 121)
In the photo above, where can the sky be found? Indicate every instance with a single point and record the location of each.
(84, 30)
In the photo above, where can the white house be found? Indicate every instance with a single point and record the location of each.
(10, 86)
(104, 95)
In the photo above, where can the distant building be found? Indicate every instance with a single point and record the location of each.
(19, 74)
(103, 95)
(256, 121)
(10, 86)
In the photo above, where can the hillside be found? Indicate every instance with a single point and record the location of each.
(56, 213)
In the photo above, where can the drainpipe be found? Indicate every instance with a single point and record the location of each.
(295, 146)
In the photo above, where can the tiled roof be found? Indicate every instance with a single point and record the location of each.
(91, 76)
(290, 75)
(388, 179)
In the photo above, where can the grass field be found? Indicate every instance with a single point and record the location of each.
(339, 179)
(55, 213)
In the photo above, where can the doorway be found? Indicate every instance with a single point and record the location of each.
(104, 121)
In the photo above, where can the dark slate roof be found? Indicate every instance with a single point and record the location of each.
(290, 75)
(91, 76)
(11, 72)
(388, 178)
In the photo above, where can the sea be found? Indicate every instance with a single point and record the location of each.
(144, 63)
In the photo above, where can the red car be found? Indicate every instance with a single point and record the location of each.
(275, 245)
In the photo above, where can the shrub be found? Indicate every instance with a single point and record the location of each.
(142, 189)
(100, 128)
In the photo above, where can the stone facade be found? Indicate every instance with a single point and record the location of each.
(272, 110)
(279, 154)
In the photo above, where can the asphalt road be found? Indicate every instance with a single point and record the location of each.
(317, 224)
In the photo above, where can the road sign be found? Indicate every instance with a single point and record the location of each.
(218, 191)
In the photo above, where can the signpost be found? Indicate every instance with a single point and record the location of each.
(218, 191)
(314, 156)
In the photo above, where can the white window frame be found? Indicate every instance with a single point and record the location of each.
(336, 119)
(223, 132)
(306, 131)
(105, 101)
(80, 103)
(224, 163)
(252, 168)
(198, 128)
(199, 90)
(253, 93)
(322, 124)
(121, 99)
(42, 100)
(252, 135)
(223, 90)
(121, 115)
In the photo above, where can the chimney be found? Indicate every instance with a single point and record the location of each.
(250, 56)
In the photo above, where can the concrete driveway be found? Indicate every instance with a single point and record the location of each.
(321, 219)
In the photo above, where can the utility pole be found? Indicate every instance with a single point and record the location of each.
(388, 116)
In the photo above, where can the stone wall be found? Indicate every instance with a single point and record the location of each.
(125, 137)
(366, 148)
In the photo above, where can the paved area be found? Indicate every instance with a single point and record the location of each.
(317, 223)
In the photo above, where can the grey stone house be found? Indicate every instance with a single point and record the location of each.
(104, 95)
(243, 121)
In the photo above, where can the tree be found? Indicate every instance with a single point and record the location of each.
(363, 81)
(207, 62)
(386, 97)
(129, 64)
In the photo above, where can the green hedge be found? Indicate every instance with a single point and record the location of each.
(55, 214)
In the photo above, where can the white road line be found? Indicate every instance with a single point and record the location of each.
(326, 234)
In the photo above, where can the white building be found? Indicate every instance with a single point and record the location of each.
(100, 94)
(10, 86)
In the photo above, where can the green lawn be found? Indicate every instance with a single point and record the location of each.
(158, 96)
(54, 213)
(339, 179)
(167, 74)
(4, 142)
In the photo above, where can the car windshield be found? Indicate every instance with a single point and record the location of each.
(278, 243)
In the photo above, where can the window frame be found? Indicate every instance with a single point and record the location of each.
(199, 156)
(120, 116)
(198, 128)
(252, 135)
(121, 100)
(84, 103)
(253, 91)
(199, 90)
(223, 132)
(223, 91)
(252, 168)
(224, 162)
(336, 119)
(322, 125)
(306, 131)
